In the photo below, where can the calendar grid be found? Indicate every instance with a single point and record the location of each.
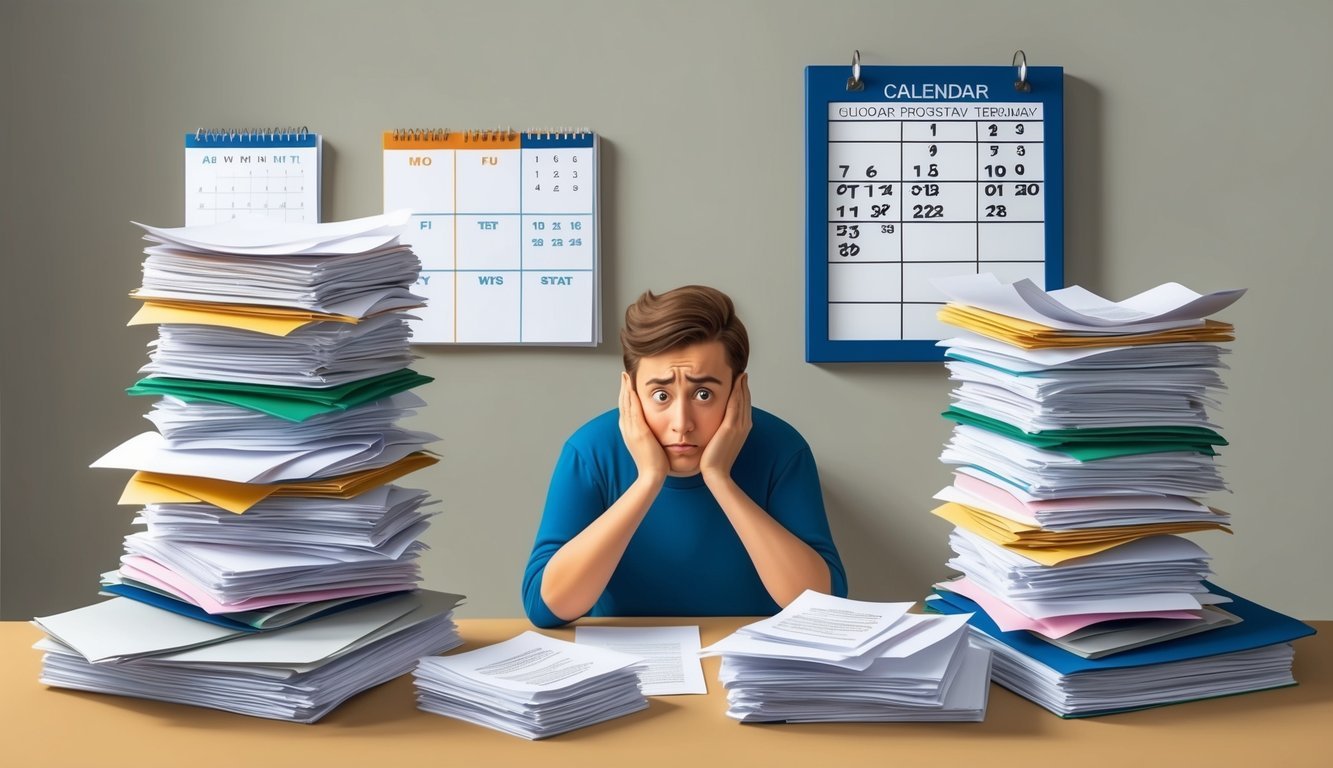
(904, 191)
(262, 175)
(518, 262)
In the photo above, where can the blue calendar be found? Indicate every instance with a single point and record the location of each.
(917, 173)
(270, 174)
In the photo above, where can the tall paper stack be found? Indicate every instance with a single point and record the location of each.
(273, 535)
(1081, 444)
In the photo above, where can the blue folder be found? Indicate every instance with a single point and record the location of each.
(193, 611)
(175, 606)
(1258, 628)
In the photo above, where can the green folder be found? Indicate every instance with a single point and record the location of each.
(290, 403)
(1099, 442)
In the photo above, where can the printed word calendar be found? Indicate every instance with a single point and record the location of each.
(506, 226)
(245, 174)
(916, 173)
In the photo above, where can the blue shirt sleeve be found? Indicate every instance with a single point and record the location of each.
(797, 502)
(573, 501)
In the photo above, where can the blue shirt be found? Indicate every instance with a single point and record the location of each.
(685, 558)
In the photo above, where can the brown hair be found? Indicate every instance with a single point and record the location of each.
(691, 314)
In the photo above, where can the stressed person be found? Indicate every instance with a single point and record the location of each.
(685, 500)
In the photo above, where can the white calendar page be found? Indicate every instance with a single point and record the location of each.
(506, 227)
(923, 173)
(252, 174)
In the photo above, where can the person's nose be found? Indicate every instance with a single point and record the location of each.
(682, 418)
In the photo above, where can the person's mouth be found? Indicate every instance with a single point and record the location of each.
(681, 447)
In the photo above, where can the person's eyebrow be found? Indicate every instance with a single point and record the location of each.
(693, 380)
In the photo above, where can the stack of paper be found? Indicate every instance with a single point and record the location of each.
(1251, 652)
(249, 412)
(531, 686)
(298, 674)
(829, 659)
(1081, 441)
(281, 367)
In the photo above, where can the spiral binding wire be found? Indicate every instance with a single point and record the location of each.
(483, 135)
(557, 133)
(251, 134)
(420, 134)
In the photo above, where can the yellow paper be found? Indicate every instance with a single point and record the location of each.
(1030, 335)
(158, 488)
(1054, 547)
(357, 483)
(274, 321)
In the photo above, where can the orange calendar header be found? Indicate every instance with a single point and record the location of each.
(446, 139)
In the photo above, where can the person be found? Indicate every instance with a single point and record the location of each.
(685, 500)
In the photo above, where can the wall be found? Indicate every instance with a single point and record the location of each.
(1196, 151)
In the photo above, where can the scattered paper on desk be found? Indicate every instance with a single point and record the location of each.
(670, 655)
(823, 621)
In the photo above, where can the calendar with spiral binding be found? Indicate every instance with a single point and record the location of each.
(914, 174)
(252, 173)
(506, 226)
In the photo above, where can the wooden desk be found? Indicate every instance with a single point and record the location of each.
(382, 728)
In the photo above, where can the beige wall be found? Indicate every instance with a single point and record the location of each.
(1197, 150)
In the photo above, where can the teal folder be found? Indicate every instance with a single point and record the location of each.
(290, 403)
(1098, 443)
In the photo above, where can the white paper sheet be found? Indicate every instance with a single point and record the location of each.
(822, 621)
(670, 655)
(1167, 306)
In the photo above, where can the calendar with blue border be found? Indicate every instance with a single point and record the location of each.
(921, 173)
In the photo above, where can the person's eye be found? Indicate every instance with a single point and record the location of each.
(659, 396)
(703, 394)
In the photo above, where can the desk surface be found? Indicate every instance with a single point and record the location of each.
(51, 727)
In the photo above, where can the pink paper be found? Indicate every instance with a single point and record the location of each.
(154, 574)
(1008, 619)
(995, 495)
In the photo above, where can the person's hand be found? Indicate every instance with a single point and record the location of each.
(648, 454)
(721, 451)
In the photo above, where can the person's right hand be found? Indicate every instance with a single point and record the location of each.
(648, 454)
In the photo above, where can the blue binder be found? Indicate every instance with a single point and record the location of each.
(1259, 627)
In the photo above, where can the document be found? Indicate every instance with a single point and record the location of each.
(822, 621)
(263, 237)
(1170, 305)
(670, 655)
(150, 452)
(531, 685)
(917, 668)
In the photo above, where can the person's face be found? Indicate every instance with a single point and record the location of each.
(684, 394)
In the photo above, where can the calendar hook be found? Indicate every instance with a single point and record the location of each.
(1020, 60)
(854, 82)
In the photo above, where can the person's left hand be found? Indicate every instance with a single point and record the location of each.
(720, 453)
